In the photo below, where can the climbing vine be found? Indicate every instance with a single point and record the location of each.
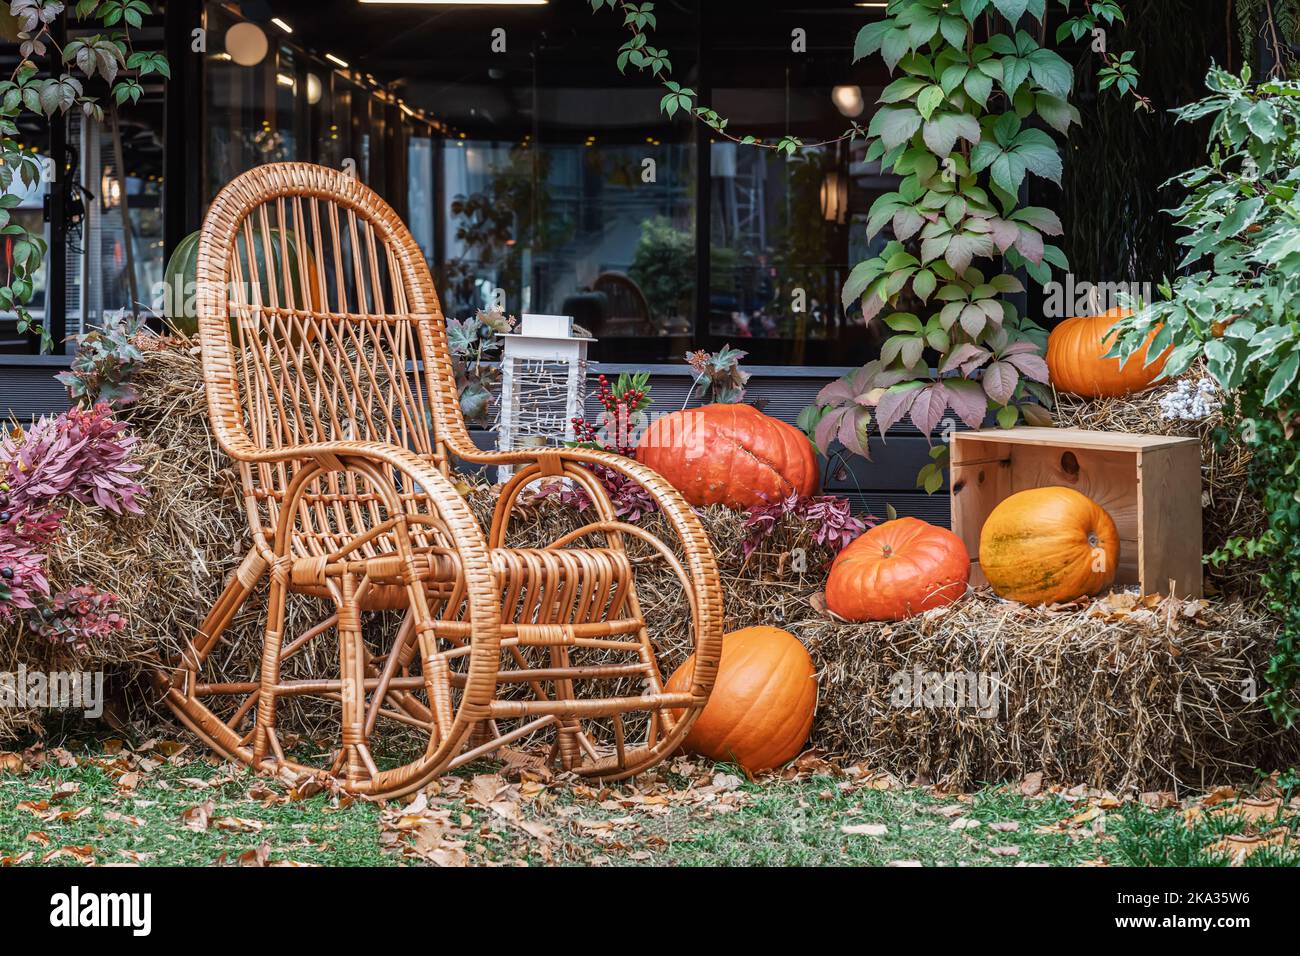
(639, 52)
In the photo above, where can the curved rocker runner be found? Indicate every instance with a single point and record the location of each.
(329, 382)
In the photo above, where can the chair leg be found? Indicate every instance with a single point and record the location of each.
(352, 675)
(264, 726)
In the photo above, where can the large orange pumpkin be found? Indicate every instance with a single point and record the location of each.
(1075, 351)
(897, 569)
(1048, 545)
(761, 708)
(729, 454)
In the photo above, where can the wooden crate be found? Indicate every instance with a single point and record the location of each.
(1151, 485)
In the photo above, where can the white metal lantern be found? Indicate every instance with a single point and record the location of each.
(543, 375)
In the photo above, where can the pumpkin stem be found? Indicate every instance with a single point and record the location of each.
(887, 550)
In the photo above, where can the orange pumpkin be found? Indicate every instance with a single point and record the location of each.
(729, 454)
(1048, 545)
(897, 569)
(1075, 351)
(761, 708)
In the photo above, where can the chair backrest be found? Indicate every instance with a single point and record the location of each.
(316, 315)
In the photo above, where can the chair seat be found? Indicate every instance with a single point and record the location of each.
(538, 585)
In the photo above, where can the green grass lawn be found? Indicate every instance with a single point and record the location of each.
(164, 805)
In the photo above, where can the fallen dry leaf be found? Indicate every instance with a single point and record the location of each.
(1032, 785)
(865, 829)
(12, 763)
(196, 818)
(257, 856)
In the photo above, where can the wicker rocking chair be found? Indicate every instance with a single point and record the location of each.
(329, 383)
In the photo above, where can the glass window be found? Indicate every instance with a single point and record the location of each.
(785, 229)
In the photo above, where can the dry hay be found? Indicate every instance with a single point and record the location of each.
(1228, 508)
(1152, 697)
(1114, 698)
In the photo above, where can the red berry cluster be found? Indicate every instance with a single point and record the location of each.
(619, 408)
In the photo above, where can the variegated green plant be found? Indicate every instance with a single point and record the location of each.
(1237, 309)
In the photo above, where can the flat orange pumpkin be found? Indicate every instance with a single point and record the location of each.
(1075, 351)
(897, 569)
(729, 454)
(1049, 545)
(761, 709)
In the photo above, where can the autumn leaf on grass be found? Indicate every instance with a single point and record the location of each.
(64, 790)
(238, 824)
(1238, 846)
(12, 763)
(485, 787)
(865, 829)
(196, 818)
(258, 856)
(79, 854)
(1032, 785)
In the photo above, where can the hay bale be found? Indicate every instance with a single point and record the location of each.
(1227, 505)
(1114, 693)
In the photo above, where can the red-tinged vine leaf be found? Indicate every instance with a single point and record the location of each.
(1029, 243)
(872, 303)
(968, 400)
(1032, 365)
(1000, 380)
(854, 430)
(828, 428)
(966, 355)
(894, 403)
(1004, 233)
(928, 407)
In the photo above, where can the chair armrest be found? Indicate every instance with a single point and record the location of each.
(448, 502)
